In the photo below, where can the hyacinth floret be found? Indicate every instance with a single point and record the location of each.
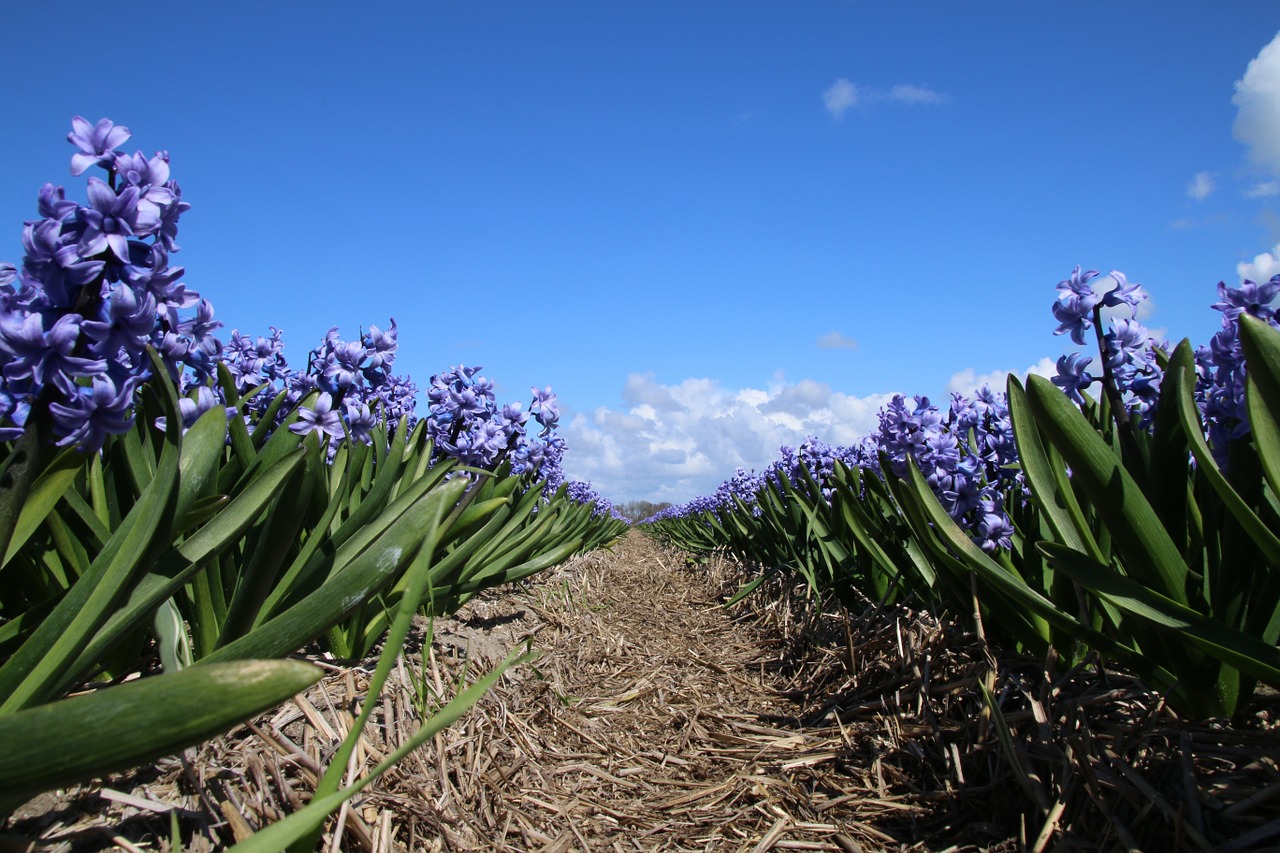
(321, 418)
(1074, 306)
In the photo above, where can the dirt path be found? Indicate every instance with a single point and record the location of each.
(649, 724)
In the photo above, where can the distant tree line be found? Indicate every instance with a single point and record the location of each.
(640, 510)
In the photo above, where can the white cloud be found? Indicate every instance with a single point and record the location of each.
(840, 97)
(1201, 186)
(1257, 100)
(843, 95)
(675, 442)
(1262, 267)
(906, 93)
(968, 380)
(835, 340)
(1263, 189)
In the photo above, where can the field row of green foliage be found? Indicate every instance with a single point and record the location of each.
(1128, 528)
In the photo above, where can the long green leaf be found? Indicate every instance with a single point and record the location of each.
(1244, 652)
(176, 568)
(38, 670)
(1134, 525)
(76, 739)
(44, 495)
(1266, 541)
(349, 586)
(1055, 500)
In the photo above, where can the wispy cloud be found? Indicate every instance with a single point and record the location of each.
(1257, 101)
(843, 95)
(840, 97)
(835, 340)
(1262, 189)
(1201, 186)
(908, 94)
(1262, 267)
(675, 442)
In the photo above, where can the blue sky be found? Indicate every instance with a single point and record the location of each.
(711, 227)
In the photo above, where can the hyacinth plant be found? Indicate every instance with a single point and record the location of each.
(1138, 525)
(164, 495)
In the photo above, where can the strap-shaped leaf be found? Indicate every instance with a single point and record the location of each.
(1246, 653)
(350, 585)
(46, 491)
(1146, 549)
(1261, 345)
(175, 569)
(1181, 378)
(39, 669)
(1050, 490)
(76, 739)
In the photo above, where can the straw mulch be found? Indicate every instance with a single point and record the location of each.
(658, 720)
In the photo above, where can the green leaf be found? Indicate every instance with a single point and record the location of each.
(1246, 653)
(1183, 368)
(1047, 482)
(76, 739)
(1147, 550)
(38, 670)
(198, 551)
(44, 495)
(1261, 345)
(349, 586)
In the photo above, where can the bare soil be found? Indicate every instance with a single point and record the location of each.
(658, 719)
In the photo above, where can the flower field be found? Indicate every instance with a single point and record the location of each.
(985, 626)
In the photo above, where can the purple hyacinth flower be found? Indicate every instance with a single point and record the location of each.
(381, 346)
(1248, 298)
(322, 419)
(41, 356)
(1072, 377)
(544, 408)
(361, 421)
(125, 322)
(1124, 293)
(95, 143)
(52, 203)
(110, 221)
(94, 413)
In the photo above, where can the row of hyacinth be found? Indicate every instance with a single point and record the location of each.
(968, 454)
(95, 289)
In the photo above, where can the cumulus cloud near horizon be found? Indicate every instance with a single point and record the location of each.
(1262, 267)
(843, 95)
(1257, 100)
(968, 381)
(676, 442)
